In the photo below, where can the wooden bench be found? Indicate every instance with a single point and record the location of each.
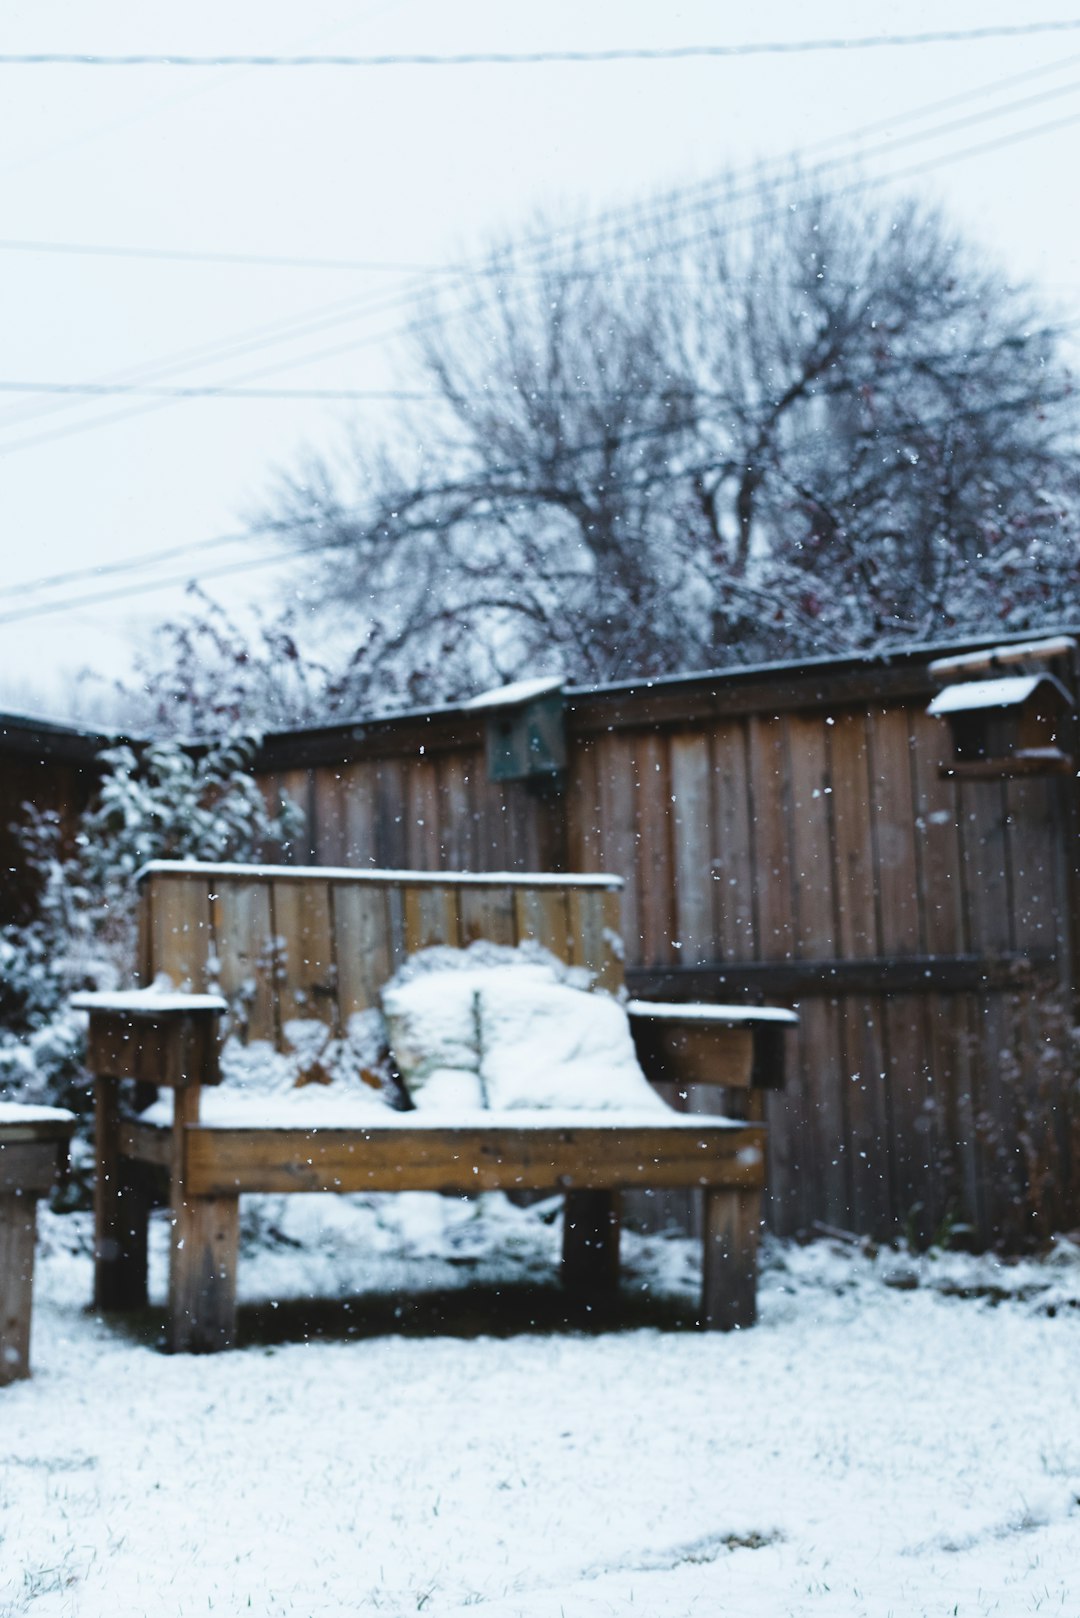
(33, 1154)
(274, 944)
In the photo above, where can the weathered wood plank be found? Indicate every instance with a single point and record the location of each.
(729, 1270)
(431, 917)
(306, 983)
(18, 1216)
(223, 1162)
(812, 862)
(892, 829)
(735, 888)
(487, 913)
(654, 852)
(854, 874)
(596, 942)
(692, 838)
(541, 915)
(244, 940)
(938, 865)
(362, 945)
(771, 831)
(182, 932)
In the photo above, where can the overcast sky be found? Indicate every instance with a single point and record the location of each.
(395, 166)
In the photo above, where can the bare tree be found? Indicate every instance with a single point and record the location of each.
(828, 431)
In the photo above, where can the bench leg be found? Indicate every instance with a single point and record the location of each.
(121, 1212)
(590, 1263)
(729, 1260)
(18, 1218)
(202, 1275)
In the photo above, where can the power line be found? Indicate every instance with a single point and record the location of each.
(543, 245)
(182, 255)
(418, 324)
(672, 53)
(211, 390)
(198, 256)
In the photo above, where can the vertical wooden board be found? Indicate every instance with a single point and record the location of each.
(950, 1082)
(541, 915)
(244, 938)
(893, 832)
(987, 887)
(297, 785)
(181, 932)
(811, 850)
(913, 1120)
(998, 1117)
(362, 947)
(732, 861)
(584, 835)
(595, 940)
(492, 835)
(1038, 879)
(692, 837)
(144, 963)
(422, 815)
(868, 1113)
(617, 778)
(390, 814)
(772, 849)
(307, 989)
(431, 916)
(358, 795)
(328, 817)
(457, 816)
(486, 913)
(793, 1177)
(654, 862)
(856, 920)
(938, 864)
(819, 1112)
(523, 808)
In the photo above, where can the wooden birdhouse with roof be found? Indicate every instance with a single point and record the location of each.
(525, 730)
(1014, 723)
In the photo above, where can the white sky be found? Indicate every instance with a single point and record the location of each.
(404, 164)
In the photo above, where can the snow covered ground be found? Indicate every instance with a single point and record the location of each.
(898, 1436)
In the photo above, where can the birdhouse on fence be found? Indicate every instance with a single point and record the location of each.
(525, 730)
(1012, 725)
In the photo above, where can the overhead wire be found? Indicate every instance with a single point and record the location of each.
(663, 53)
(437, 316)
(660, 209)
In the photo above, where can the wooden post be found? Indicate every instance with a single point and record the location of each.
(17, 1230)
(729, 1258)
(590, 1263)
(121, 1212)
(203, 1253)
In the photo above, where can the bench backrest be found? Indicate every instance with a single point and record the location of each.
(291, 942)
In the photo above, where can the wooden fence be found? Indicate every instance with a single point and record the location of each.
(788, 836)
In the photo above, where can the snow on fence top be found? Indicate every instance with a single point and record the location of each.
(344, 873)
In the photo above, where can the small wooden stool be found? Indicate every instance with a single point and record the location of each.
(33, 1153)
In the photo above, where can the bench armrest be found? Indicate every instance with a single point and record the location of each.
(735, 1047)
(154, 1038)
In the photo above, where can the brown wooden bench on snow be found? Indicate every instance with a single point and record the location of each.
(287, 942)
(33, 1154)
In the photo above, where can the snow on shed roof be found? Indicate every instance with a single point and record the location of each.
(1010, 691)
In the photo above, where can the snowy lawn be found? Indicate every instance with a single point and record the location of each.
(897, 1437)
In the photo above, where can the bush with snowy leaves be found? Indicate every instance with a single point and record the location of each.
(166, 803)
